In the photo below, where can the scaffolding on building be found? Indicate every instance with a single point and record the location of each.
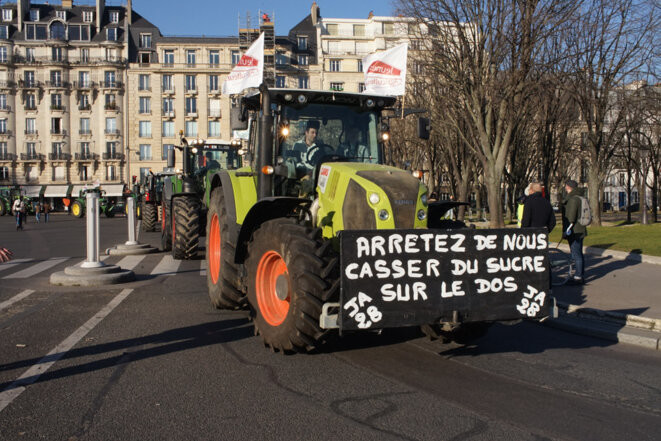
(249, 33)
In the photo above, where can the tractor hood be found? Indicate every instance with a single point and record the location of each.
(356, 196)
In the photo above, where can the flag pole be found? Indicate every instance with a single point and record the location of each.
(403, 101)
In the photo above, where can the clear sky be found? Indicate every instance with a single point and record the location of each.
(221, 17)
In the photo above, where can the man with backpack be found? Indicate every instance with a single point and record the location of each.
(576, 217)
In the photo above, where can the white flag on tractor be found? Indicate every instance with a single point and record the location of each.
(249, 71)
(385, 72)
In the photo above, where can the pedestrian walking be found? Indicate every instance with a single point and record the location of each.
(18, 208)
(572, 229)
(45, 208)
(37, 212)
(537, 210)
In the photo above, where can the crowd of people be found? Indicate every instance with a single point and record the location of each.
(20, 211)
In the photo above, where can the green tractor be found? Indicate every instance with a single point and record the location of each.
(106, 205)
(151, 198)
(5, 201)
(185, 195)
(320, 237)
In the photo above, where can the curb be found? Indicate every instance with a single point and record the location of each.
(620, 255)
(612, 326)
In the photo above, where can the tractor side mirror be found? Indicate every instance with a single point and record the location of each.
(238, 117)
(424, 127)
(171, 158)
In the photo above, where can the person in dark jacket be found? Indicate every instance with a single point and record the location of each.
(571, 229)
(537, 210)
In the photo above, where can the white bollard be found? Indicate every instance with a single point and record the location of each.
(130, 203)
(92, 208)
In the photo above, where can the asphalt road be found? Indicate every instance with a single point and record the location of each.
(152, 360)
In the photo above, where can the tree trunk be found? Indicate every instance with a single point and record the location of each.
(594, 189)
(494, 197)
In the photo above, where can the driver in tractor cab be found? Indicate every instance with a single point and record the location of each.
(353, 146)
(307, 146)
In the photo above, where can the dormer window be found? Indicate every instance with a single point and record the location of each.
(88, 16)
(112, 34)
(7, 14)
(62, 15)
(34, 14)
(114, 16)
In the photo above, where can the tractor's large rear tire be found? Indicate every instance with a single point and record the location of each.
(3, 209)
(186, 227)
(166, 227)
(223, 275)
(77, 209)
(292, 272)
(149, 217)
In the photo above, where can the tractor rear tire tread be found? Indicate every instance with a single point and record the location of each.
(186, 218)
(149, 217)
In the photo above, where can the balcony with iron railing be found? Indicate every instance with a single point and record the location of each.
(29, 84)
(85, 156)
(32, 157)
(57, 84)
(85, 132)
(111, 132)
(59, 156)
(7, 84)
(5, 156)
(84, 85)
(168, 90)
(74, 60)
(31, 132)
(85, 107)
(111, 84)
(113, 156)
(111, 107)
(57, 107)
(5, 132)
(60, 132)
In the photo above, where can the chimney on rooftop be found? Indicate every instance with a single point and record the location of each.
(68, 4)
(314, 13)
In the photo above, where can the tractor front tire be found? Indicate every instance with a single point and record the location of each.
(77, 209)
(166, 228)
(292, 272)
(223, 275)
(186, 227)
(149, 217)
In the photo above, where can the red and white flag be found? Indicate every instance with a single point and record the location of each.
(385, 72)
(249, 71)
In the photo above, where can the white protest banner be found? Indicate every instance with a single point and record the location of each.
(249, 71)
(385, 72)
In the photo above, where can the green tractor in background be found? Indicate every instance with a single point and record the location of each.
(151, 198)
(5, 201)
(288, 237)
(185, 195)
(106, 205)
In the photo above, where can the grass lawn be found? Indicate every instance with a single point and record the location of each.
(634, 238)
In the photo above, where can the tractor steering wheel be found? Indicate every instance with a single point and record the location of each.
(312, 155)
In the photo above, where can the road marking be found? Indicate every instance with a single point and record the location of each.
(13, 263)
(168, 266)
(16, 298)
(130, 262)
(203, 267)
(37, 268)
(33, 373)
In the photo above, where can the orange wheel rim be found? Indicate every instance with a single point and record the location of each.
(163, 218)
(270, 267)
(214, 249)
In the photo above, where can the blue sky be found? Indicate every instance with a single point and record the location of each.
(221, 17)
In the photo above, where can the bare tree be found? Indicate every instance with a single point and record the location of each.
(610, 43)
(482, 54)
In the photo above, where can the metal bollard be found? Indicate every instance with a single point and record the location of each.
(92, 202)
(130, 203)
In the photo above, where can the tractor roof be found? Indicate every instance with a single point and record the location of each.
(299, 97)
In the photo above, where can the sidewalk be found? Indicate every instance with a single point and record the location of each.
(620, 301)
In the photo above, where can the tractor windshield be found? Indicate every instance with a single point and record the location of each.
(315, 131)
(216, 158)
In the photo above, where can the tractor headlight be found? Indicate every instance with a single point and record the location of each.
(384, 215)
(422, 214)
(423, 199)
(374, 198)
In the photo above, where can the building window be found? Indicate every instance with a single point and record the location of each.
(114, 16)
(84, 102)
(145, 104)
(144, 129)
(280, 81)
(235, 57)
(31, 149)
(165, 150)
(3, 101)
(213, 83)
(58, 172)
(303, 60)
(191, 105)
(168, 57)
(84, 176)
(34, 14)
(30, 126)
(332, 29)
(111, 101)
(214, 108)
(168, 129)
(302, 43)
(335, 65)
(388, 28)
(190, 57)
(111, 173)
(85, 126)
(109, 76)
(35, 32)
(88, 16)
(111, 126)
(190, 83)
(30, 101)
(56, 149)
(303, 82)
(4, 32)
(145, 40)
(360, 65)
(56, 126)
(418, 68)
(111, 34)
(56, 101)
(143, 82)
(28, 77)
(191, 128)
(166, 82)
(214, 58)
(29, 54)
(3, 54)
(84, 55)
(62, 15)
(168, 106)
(83, 79)
(56, 54)
(79, 33)
(145, 152)
(359, 30)
(337, 86)
(214, 128)
(4, 173)
(361, 87)
(7, 14)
